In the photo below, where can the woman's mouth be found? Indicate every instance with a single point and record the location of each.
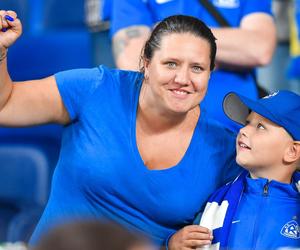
(179, 93)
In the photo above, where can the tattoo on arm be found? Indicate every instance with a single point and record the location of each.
(120, 43)
(118, 46)
(133, 32)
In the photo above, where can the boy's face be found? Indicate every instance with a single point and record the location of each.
(261, 145)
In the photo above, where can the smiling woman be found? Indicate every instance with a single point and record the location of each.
(180, 69)
(177, 60)
(137, 149)
(176, 81)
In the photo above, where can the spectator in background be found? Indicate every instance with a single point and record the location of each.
(97, 14)
(273, 76)
(248, 43)
(92, 235)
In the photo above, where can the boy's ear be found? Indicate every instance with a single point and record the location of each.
(293, 152)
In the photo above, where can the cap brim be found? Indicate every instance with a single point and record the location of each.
(238, 107)
(235, 109)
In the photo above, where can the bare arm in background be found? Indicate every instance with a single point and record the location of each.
(127, 46)
(29, 102)
(250, 45)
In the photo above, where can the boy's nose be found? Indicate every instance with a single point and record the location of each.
(243, 131)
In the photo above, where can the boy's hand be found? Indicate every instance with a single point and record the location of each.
(10, 28)
(190, 237)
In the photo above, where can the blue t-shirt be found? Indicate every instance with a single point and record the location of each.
(100, 173)
(149, 12)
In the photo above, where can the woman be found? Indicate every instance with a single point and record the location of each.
(137, 148)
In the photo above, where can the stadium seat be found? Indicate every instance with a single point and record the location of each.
(23, 189)
(35, 56)
(55, 38)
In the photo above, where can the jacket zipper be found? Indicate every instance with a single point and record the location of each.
(265, 194)
(266, 189)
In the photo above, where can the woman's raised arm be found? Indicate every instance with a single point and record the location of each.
(29, 102)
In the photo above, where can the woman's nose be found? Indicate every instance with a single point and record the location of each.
(182, 76)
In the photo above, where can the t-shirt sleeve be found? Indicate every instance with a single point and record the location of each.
(128, 13)
(77, 86)
(252, 6)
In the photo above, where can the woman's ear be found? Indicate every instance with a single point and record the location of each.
(146, 63)
(293, 152)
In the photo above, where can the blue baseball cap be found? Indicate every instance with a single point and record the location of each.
(281, 107)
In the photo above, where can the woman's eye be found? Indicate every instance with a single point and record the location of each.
(197, 69)
(171, 64)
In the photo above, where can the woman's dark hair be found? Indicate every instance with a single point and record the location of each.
(175, 25)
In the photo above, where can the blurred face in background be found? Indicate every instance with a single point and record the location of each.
(92, 235)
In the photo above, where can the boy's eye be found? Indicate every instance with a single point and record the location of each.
(260, 126)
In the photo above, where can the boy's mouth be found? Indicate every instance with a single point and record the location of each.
(243, 145)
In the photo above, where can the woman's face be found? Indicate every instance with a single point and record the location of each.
(178, 73)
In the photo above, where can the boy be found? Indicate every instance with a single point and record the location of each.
(261, 208)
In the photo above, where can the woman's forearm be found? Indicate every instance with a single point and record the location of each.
(5, 80)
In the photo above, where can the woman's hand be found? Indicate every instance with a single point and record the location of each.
(190, 237)
(10, 29)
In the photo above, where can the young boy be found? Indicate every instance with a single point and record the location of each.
(261, 208)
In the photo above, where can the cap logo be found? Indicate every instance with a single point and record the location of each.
(271, 95)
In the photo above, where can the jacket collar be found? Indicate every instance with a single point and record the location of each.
(273, 187)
